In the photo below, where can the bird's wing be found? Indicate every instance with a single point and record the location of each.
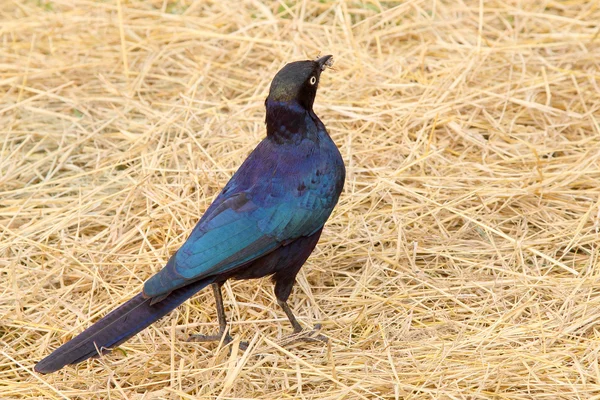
(235, 232)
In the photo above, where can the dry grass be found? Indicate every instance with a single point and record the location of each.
(461, 262)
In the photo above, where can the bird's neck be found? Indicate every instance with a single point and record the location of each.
(289, 121)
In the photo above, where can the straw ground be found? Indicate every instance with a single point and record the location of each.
(461, 262)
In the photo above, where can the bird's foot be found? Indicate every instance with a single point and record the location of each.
(306, 336)
(216, 338)
(210, 338)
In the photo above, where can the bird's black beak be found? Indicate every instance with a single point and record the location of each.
(325, 61)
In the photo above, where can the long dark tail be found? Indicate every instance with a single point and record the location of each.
(118, 326)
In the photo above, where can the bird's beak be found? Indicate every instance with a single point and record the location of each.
(325, 61)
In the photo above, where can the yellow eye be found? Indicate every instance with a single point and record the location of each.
(313, 80)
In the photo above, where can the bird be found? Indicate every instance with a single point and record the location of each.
(266, 221)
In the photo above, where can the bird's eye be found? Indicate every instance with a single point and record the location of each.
(313, 80)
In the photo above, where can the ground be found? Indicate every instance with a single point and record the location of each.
(460, 263)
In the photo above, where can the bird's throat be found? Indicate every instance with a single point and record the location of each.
(287, 121)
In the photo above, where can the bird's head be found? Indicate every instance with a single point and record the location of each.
(297, 82)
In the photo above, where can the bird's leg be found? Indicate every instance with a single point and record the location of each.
(288, 311)
(221, 317)
(299, 334)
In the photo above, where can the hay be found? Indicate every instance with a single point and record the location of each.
(461, 262)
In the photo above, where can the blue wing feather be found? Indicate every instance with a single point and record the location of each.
(259, 210)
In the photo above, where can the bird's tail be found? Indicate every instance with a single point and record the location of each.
(115, 328)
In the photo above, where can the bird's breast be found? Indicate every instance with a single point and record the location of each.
(314, 172)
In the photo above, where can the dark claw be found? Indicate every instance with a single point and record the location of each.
(216, 338)
(244, 345)
(306, 336)
(210, 338)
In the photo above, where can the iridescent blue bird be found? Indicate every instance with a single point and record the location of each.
(266, 221)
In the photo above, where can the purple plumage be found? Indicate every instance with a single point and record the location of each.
(266, 221)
